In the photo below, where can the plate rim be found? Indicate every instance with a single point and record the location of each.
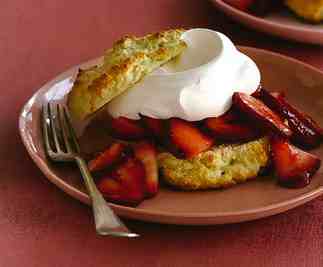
(199, 218)
(276, 26)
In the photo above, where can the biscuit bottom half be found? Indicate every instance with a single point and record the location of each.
(219, 167)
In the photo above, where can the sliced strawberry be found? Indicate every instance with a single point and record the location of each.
(294, 167)
(257, 93)
(147, 154)
(112, 155)
(240, 4)
(131, 175)
(155, 126)
(128, 184)
(127, 129)
(255, 110)
(188, 138)
(306, 132)
(278, 94)
(112, 190)
(229, 127)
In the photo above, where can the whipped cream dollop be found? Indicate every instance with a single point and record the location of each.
(197, 85)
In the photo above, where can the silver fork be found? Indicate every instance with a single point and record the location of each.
(61, 145)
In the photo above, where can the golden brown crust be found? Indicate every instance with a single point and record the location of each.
(220, 167)
(311, 10)
(129, 60)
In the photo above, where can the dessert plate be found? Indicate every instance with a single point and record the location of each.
(282, 24)
(255, 199)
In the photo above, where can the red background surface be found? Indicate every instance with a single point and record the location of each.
(41, 226)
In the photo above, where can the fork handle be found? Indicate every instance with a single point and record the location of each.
(106, 221)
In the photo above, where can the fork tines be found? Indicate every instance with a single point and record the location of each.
(59, 137)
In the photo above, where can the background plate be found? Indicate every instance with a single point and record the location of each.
(282, 24)
(255, 199)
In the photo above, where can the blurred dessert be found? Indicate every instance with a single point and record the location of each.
(309, 10)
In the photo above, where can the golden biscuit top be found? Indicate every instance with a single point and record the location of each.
(311, 10)
(125, 64)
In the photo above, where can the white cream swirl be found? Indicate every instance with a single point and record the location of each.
(197, 85)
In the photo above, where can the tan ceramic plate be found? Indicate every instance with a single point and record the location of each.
(282, 24)
(256, 199)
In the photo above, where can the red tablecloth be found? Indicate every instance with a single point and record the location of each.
(41, 226)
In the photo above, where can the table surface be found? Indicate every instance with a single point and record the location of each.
(42, 226)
